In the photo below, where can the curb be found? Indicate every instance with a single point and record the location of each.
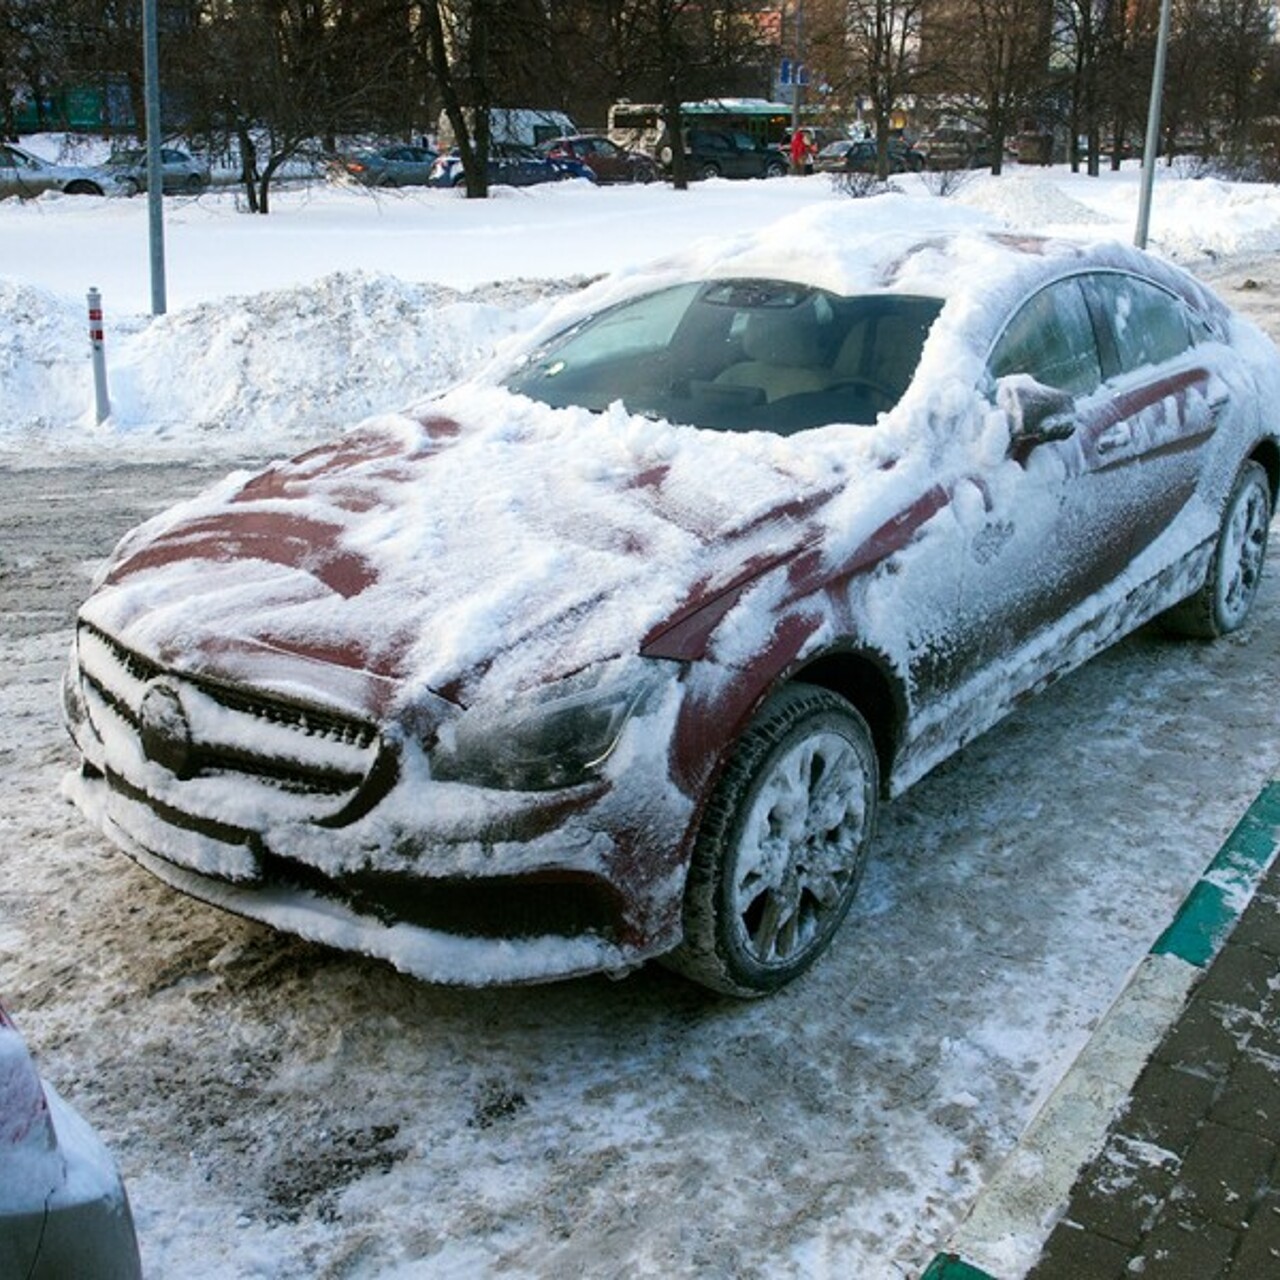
(1003, 1232)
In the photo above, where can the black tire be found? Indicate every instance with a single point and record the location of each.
(83, 188)
(752, 925)
(707, 170)
(1223, 603)
(775, 169)
(193, 185)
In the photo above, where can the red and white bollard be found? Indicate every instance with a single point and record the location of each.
(103, 401)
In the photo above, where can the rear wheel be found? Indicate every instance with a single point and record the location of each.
(782, 845)
(775, 169)
(1224, 601)
(708, 170)
(193, 184)
(82, 188)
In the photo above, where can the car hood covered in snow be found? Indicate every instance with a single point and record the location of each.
(493, 541)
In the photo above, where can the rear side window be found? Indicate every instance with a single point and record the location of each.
(1147, 324)
(1051, 339)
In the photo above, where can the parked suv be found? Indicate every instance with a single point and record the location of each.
(713, 153)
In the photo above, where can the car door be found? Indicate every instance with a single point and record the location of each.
(396, 165)
(1055, 528)
(1162, 406)
(24, 175)
(608, 161)
(9, 183)
(744, 160)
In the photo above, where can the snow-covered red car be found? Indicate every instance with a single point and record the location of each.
(610, 653)
(63, 1209)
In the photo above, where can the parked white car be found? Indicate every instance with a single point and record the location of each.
(179, 172)
(25, 175)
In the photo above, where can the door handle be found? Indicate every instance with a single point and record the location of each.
(1114, 438)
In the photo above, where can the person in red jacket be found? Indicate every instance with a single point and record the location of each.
(802, 152)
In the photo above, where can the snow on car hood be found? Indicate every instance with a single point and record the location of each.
(496, 540)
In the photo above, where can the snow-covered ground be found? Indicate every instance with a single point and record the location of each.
(284, 1111)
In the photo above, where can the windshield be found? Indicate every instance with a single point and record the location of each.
(737, 355)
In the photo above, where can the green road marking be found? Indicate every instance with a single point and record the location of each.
(1211, 908)
(946, 1266)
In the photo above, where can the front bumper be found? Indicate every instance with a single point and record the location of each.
(326, 828)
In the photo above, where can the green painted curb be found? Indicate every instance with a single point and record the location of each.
(1203, 923)
(1211, 909)
(946, 1266)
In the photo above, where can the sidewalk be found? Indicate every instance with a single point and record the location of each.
(1185, 1182)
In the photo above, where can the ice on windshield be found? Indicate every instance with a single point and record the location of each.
(737, 355)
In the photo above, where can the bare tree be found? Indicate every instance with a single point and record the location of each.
(32, 57)
(997, 62)
(277, 76)
(883, 41)
(1241, 32)
(460, 38)
(1081, 36)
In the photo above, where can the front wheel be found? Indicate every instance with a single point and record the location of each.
(776, 169)
(708, 170)
(782, 845)
(1223, 603)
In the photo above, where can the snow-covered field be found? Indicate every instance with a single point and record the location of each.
(284, 1111)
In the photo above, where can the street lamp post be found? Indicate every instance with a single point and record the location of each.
(155, 175)
(1153, 127)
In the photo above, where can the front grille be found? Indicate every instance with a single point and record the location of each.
(564, 904)
(231, 731)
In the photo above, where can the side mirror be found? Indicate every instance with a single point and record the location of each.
(1036, 413)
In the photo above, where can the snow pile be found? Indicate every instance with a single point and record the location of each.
(306, 362)
(1210, 218)
(1030, 203)
(43, 343)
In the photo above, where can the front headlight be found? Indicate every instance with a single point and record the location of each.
(558, 736)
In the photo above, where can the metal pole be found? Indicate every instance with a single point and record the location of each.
(155, 177)
(102, 401)
(798, 36)
(1153, 127)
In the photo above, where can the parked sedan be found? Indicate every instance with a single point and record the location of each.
(612, 652)
(63, 1209)
(511, 164)
(179, 172)
(404, 165)
(860, 156)
(607, 161)
(25, 175)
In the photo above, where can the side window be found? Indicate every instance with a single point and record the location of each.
(1147, 324)
(1051, 339)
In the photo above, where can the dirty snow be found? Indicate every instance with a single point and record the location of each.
(281, 1110)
